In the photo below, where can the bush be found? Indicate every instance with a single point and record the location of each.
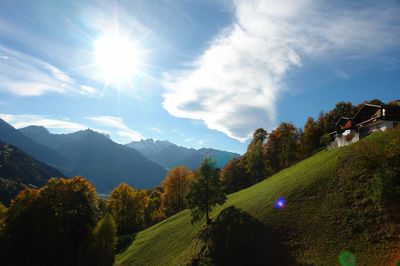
(349, 137)
(124, 242)
(385, 187)
(325, 140)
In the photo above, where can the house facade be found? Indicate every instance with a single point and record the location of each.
(369, 118)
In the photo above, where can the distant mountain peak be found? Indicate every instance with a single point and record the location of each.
(170, 155)
(37, 130)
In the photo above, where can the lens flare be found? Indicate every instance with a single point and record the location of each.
(347, 259)
(280, 203)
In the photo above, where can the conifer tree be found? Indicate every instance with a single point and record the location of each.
(205, 191)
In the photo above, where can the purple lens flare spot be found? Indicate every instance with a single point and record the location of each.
(280, 203)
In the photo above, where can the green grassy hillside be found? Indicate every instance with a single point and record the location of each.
(326, 214)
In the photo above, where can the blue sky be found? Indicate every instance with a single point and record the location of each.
(198, 73)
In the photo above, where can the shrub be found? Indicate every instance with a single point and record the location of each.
(349, 137)
(325, 140)
(385, 187)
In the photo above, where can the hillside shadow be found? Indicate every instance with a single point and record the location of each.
(124, 242)
(236, 238)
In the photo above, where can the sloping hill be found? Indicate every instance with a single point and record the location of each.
(18, 170)
(170, 155)
(327, 216)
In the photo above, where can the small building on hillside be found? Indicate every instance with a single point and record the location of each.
(369, 118)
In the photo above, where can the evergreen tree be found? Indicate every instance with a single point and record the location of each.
(205, 191)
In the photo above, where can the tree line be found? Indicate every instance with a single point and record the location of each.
(268, 153)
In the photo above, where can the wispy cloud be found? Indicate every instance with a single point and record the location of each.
(233, 86)
(24, 120)
(156, 129)
(117, 122)
(24, 75)
(177, 131)
(341, 74)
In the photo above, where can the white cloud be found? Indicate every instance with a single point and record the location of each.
(25, 75)
(341, 74)
(156, 129)
(117, 122)
(88, 90)
(233, 86)
(24, 120)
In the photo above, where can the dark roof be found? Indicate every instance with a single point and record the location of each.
(343, 118)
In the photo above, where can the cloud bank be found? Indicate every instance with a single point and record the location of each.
(117, 122)
(233, 86)
(24, 120)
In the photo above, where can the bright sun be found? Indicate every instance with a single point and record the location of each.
(116, 56)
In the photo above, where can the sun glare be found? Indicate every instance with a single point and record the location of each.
(116, 56)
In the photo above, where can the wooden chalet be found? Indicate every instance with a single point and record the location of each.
(369, 118)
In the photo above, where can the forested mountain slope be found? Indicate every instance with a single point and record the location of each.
(18, 170)
(40, 152)
(341, 204)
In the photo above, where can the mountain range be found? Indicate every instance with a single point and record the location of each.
(94, 155)
(141, 164)
(170, 155)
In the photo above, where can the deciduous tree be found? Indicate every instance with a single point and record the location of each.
(127, 207)
(205, 191)
(104, 241)
(234, 177)
(175, 187)
(253, 160)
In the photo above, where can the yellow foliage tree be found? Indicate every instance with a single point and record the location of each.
(127, 207)
(176, 185)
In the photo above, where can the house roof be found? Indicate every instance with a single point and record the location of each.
(343, 119)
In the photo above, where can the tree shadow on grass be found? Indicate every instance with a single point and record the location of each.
(124, 242)
(236, 238)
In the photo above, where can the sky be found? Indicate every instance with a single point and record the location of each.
(202, 73)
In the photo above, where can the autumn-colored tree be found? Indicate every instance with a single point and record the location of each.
(3, 211)
(394, 103)
(51, 226)
(288, 144)
(127, 207)
(311, 137)
(154, 212)
(205, 191)
(282, 147)
(175, 187)
(253, 160)
(104, 241)
(234, 177)
(271, 152)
